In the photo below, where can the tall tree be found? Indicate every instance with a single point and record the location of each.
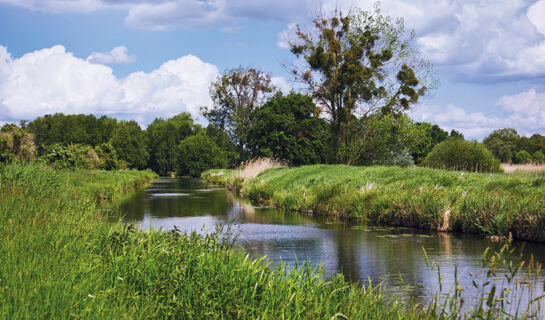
(503, 143)
(286, 127)
(164, 137)
(235, 95)
(129, 142)
(358, 64)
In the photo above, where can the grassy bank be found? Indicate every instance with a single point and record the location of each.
(488, 204)
(61, 259)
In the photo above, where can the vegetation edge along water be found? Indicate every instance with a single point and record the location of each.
(62, 259)
(433, 199)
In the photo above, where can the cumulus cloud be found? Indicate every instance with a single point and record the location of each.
(524, 111)
(118, 55)
(54, 80)
(473, 40)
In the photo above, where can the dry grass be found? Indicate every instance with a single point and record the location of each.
(529, 167)
(253, 167)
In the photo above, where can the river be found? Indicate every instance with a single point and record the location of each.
(390, 256)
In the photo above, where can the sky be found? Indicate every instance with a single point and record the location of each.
(142, 59)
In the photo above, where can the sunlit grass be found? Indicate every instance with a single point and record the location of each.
(433, 199)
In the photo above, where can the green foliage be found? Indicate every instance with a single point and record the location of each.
(502, 144)
(235, 95)
(130, 144)
(427, 137)
(377, 139)
(71, 129)
(286, 128)
(538, 157)
(71, 156)
(164, 136)
(401, 159)
(523, 157)
(107, 156)
(358, 63)
(199, 153)
(458, 154)
(62, 260)
(222, 140)
(16, 144)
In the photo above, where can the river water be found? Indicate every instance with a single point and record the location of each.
(391, 256)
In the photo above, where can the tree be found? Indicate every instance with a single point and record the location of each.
(199, 153)
(71, 129)
(523, 157)
(502, 143)
(286, 127)
(538, 157)
(235, 95)
(377, 139)
(428, 136)
(129, 141)
(164, 137)
(358, 64)
(455, 134)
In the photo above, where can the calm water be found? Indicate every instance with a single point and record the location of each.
(360, 253)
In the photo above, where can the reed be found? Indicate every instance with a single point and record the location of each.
(528, 167)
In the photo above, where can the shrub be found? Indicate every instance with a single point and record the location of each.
(459, 154)
(16, 144)
(197, 154)
(401, 159)
(523, 157)
(71, 156)
(539, 157)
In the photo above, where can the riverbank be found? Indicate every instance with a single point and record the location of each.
(62, 259)
(432, 199)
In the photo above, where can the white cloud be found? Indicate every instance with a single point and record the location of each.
(116, 55)
(53, 80)
(524, 111)
(282, 84)
(475, 40)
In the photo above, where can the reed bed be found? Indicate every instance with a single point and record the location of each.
(528, 167)
(432, 199)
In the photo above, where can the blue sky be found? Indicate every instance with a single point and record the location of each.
(140, 59)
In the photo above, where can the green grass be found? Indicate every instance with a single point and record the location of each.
(62, 259)
(433, 199)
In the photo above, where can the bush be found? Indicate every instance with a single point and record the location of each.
(197, 154)
(458, 154)
(16, 144)
(539, 157)
(71, 156)
(401, 159)
(523, 157)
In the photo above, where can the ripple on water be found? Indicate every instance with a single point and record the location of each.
(168, 195)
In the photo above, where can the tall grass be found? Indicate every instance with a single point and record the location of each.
(61, 259)
(528, 167)
(433, 199)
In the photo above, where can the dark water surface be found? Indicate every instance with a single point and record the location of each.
(359, 252)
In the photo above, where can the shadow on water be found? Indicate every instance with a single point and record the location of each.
(361, 253)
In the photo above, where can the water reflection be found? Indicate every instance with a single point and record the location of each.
(359, 252)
